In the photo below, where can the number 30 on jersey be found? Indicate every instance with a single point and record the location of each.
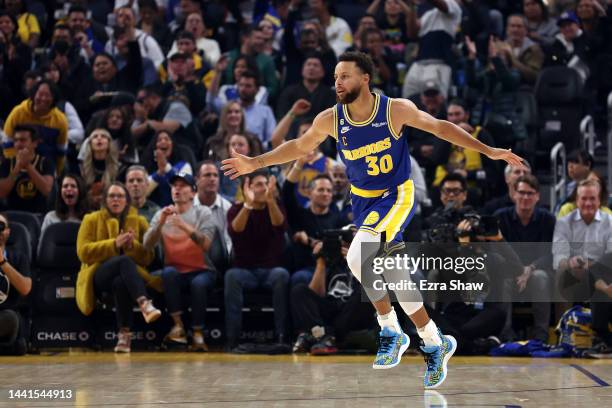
(375, 166)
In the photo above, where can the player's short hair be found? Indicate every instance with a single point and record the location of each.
(361, 59)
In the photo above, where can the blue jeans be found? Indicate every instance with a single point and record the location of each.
(303, 275)
(198, 283)
(237, 280)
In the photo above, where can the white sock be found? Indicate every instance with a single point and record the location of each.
(389, 320)
(429, 334)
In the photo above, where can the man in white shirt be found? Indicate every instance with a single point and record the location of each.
(583, 236)
(437, 24)
(337, 30)
(580, 241)
(149, 48)
(207, 179)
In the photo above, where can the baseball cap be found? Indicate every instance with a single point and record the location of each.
(431, 87)
(567, 16)
(186, 177)
(178, 55)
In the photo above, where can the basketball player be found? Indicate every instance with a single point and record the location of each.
(368, 128)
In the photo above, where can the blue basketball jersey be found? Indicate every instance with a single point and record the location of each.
(376, 157)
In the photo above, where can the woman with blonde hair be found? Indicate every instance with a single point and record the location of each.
(99, 165)
(232, 121)
(242, 144)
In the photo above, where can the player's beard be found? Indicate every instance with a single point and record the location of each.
(349, 96)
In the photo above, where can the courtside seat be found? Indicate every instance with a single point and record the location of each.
(29, 220)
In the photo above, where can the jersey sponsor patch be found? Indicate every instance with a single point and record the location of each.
(379, 124)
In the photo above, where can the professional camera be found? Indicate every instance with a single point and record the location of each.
(446, 230)
(445, 225)
(482, 225)
(332, 243)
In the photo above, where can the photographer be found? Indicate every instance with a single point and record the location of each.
(453, 194)
(478, 317)
(469, 315)
(329, 305)
(307, 224)
(14, 274)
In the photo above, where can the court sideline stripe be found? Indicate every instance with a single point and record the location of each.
(589, 374)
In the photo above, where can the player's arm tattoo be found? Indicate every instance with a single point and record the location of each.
(260, 161)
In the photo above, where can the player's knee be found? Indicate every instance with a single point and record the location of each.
(353, 259)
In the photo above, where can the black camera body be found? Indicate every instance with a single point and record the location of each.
(332, 240)
(482, 225)
(447, 231)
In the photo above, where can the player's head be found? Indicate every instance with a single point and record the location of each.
(353, 74)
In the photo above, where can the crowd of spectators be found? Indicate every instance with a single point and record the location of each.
(117, 114)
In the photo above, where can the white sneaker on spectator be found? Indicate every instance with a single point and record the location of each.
(123, 342)
(198, 343)
(176, 335)
(149, 312)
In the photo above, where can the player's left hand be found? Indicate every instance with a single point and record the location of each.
(507, 155)
(238, 165)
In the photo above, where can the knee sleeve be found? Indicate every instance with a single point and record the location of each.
(359, 254)
(362, 251)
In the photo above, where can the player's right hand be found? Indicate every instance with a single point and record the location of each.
(238, 165)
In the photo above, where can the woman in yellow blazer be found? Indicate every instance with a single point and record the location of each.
(113, 259)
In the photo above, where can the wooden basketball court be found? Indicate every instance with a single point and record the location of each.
(103, 379)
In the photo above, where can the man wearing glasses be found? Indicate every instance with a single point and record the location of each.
(525, 221)
(453, 195)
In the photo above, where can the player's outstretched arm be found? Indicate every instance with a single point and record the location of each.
(238, 164)
(405, 112)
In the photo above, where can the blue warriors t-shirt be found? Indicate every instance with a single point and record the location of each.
(376, 157)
